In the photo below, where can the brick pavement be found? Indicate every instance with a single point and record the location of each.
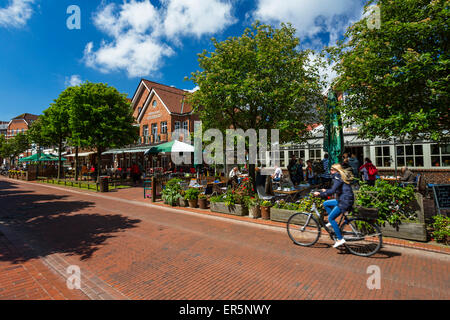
(137, 250)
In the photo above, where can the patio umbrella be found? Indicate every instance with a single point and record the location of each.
(333, 142)
(171, 146)
(40, 157)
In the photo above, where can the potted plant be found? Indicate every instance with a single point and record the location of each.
(191, 195)
(171, 193)
(253, 207)
(265, 210)
(202, 201)
(182, 201)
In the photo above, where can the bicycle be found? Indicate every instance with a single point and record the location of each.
(363, 237)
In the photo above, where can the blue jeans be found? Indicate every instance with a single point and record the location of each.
(331, 206)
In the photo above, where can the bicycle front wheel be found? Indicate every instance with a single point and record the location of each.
(362, 238)
(303, 229)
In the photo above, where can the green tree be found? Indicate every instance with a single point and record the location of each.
(397, 76)
(16, 145)
(102, 118)
(260, 80)
(53, 126)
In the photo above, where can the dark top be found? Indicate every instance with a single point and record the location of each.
(343, 191)
(408, 176)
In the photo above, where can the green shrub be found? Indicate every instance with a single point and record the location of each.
(191, 194)
(441, 229)
(392, 201)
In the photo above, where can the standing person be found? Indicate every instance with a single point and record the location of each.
(369, 172)
(345, 198)
(326, 177)
(135, 173)
(292, 169)
(300, 174)
(310, 175)
(345, 161)
(354, 163)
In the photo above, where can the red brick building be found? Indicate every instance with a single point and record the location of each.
(159, 110)
(20, 124)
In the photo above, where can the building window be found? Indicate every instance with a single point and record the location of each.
(299, 154)
(440, 155)
(383, 156)
(145, 131)
(315, 154)
(177, 125)
(185, 125)
(139, 110)
(154, 104)
(410, 156)
(164, 127)
(154, 129)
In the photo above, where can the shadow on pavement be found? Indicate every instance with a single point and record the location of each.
(52, 224)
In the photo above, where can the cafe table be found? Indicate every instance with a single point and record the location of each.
(291, 194)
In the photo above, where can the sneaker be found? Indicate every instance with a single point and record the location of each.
(328, 225)
(339, 243)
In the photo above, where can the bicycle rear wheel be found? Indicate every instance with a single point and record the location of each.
(303, 229)
(363, 238)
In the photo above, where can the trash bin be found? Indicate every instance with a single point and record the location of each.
(104, 184)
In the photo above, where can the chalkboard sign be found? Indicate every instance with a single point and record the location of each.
(442, 196)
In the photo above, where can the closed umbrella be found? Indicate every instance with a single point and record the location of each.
(333, 142)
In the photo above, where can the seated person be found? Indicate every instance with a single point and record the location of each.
(278, 174)
(407, 175)
(234, 173)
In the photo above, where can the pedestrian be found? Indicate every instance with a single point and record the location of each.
(369, 172)
(354, 163)
(135, 173)
(310, 175)
(325, 176)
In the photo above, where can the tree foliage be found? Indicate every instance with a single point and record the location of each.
(101, 118)
(260, 80)
(397, 76)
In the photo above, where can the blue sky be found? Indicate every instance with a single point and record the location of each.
(121, 42)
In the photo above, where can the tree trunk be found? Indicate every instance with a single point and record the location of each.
(76, 163)
(99, 161)
(59, 159)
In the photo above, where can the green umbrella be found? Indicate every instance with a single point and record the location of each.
(333, 141)
(171, 146)
(40, 157)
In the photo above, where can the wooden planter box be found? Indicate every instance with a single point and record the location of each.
(281, 215)
(237, 210)
(406, 230)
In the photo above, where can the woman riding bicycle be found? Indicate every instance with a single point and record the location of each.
(342, 188)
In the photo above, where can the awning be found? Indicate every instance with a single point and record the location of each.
(84, 154)
(129, 150)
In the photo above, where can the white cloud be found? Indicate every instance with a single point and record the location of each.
(196, 17)
(73, 80)
(310, 17)
(16, 14)
(140, 32)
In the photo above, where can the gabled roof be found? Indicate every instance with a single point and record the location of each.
(27, 117)
(173, 98)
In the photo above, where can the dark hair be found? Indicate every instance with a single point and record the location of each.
(367, 160)
(325, 155)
